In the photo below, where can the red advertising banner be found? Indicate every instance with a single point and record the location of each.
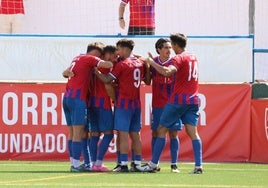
(33, 127)
(259, 131)
(224, 124)
(31, 122)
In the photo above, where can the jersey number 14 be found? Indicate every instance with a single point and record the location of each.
(193, 70)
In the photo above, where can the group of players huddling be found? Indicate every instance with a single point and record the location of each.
(102, 97)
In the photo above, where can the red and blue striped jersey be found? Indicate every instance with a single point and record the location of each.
(99, 96)
(11, 7)
(142, 13)
(78, 85)
(129, 74)
(186, 85)
(161, 86)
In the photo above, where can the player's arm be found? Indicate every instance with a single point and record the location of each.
(110, 90)
(148, 75)
(67, 73)
(105, 64)
(105, 78)
(121, 12)
(165, 71)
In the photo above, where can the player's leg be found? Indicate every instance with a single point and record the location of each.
(134, 132)
(94, 135)
(137, 148)
(156, 113)
(78, 131)
(79, 115)
(66, 104)
(85, 150)
(123, 146)
(106, 126)
(190, 120)
(175, 145)
(70, 143)
(174, 150)
(85, 145)
(169, 117)
(122, 119)
(196, 144)
(117, 168)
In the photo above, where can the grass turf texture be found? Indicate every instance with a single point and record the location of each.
(56, 174)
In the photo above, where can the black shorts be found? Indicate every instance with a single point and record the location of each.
(141, 31)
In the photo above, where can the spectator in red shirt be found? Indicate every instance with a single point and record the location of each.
(11, 16)
(142, 16)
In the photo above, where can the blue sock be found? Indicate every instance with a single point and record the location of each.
(174, 150)
(158, 148)
(70, 143)
(88, 145)
(118, 157)
(104, 145)
(94, 147)
(76, 150)
(197, 146)
(132, 155)
(124, 158)
(85, 151)
(153, 143)
(137, 158)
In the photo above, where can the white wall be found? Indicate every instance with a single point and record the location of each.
(261, 39)
(43, 59)
(194, 17)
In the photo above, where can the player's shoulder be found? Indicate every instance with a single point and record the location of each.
(189, 54)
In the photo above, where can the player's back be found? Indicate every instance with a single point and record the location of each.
(79, 84)
(99, 96)
(129, 73)
(186, 84)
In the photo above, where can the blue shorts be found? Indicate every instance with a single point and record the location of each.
(187, 113)
(156, 114)
(101, 119)
(75, 111)
(88, 125)
(127, 120)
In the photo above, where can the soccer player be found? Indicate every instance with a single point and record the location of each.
(183, 102)
(161, 90)
(76, 98)
(101, 115)
(11, 16)
(142, 16)
(129, 73)
(94, 49)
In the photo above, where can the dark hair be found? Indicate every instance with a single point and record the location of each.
(160, 43)
(95, 46)
(128, 43)
(179, 39)
(109, 49)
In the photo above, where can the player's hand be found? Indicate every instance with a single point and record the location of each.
(150, 55)
(96, 71)
(67, 73)
(122, 23)
(137, 56)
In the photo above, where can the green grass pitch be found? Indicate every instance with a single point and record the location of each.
(56, 174)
